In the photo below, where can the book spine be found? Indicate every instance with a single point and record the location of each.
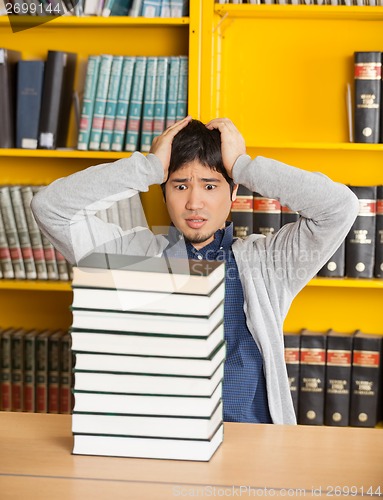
(34, 234)
(8, 59)
(122, 110)
(312, 380)
(242, 212)
(29, 95)
(54, 372)
(42, 373)
(135, 106)
(111, 103)
(335, 266)
(5, 254)
(160, 97)
(338, 380)
(22, 231)
(148, 104)
(165, 8)
(100, 101)
(367, 77)
(379, 233)
(66, 374)
(91, 78)
(266, 215)
(136, 8)
(177, 8)
(292, 360)
(5, 371)
(151, 8)
(66, 101)
(11, 233)
(171, 104)
(288, 215)
(182, 92)
(360, 241)
(62, 267)
(17, 365)
(29, 372)
(366, 382)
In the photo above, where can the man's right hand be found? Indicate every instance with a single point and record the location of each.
(162, 144)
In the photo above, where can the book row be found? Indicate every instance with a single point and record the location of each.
(127, 101)
(105, 8)
(335, 378)
(361, 3)
(130, 100)
(35, 371)
(359, 256)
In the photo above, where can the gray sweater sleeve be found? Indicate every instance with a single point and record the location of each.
(298, 250)
(65, 210)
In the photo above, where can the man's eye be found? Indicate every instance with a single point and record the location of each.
(209, 187)
(181, 187)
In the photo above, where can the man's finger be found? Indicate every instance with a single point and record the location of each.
(176, 127)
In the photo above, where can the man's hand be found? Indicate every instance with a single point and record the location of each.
(232, 143)
(162, 144)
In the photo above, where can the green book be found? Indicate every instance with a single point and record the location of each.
(111, 103)
(160, 97)
(182, 94)
(135, 106)
(148, 105)
(88, 101)
(171, 101)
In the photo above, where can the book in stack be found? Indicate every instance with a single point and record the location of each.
(149, 348)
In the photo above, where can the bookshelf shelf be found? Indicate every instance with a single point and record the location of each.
(46, 286)
(346, 283)
(300, 12)
(335, 146)
(68, 153)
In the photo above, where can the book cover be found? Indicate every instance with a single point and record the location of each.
(90, 87)
(288, 215)
(165, 8)
(8, 61)
(62, 267)
(100, 101)
(378, 273)
(54, 354)
(123, 101)
(335, 266)
(30, 76)
(42, 371)
(151, 8)
(133, 128)
(360, 241)
(30, 371)
(6, 369)
(160, 96)
(242, 212)
(17, 369)
(292, 359)
(148, 105)
(266, 215)
(338, 378)
(366, 383)
(312, 378)
(5, 253)
(66, 379)
(367, 78)
(66, 101)
(111, 103)
(182, 92)
(171, 101)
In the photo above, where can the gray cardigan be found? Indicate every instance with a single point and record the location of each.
(272, 269)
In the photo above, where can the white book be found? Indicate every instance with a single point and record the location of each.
(149, 345)
(147, 404)
(147, 426)
(138, 447)
(205, 367)
(139, 383)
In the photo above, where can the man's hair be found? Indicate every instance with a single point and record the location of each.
(196, 142)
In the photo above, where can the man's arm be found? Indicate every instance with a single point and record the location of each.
(65, 210)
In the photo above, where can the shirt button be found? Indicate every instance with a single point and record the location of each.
(199, 257)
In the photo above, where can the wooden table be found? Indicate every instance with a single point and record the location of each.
(254, 461)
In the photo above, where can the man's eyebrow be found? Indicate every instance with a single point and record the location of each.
(203, 179)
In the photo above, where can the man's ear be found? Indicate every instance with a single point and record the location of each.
(234, 192)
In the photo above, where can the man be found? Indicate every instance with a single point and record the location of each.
(200, 168)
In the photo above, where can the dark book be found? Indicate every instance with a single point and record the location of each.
(17, 368)
(288, 215)
(312, 378)
(55, 105)
(367, 383)
(335, 266)
(360, 241)
(30, 75)
(42, 371)
(378, 273)
(54, 353)
(367, 77)
(30, 371)
(266, 215)
(292, 359)
(242, 212)
(8, 61)
(5, 370)
(338, 378)
(66, 366)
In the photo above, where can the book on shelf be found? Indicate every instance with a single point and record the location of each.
(29, 378)
(292, 359)
(360, 241)
(88, 101)
(151, 8)
(379, 233)
(54, 353)
(143, 447)
(338, 378)
(67, 97)
(42, 360)
(6, 369)
(148, 426)
(266, 215)
(335, 266)
(30, 76)
(171, 101)
(8, 61)
(242, 212)
(5, 253)
(133, 127)
(182, 92)
(368, 81)
(160, 96)
(288, 215)
(17, 368)
(148, 104)
(367, 380)
(312, 377)
(66, 378)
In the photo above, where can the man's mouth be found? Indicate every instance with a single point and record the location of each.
(195, 222)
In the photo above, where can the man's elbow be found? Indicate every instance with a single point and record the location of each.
(38, 206)
(351, 206)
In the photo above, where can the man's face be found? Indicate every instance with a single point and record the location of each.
(198, 201)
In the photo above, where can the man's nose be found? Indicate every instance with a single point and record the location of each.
(195, 199)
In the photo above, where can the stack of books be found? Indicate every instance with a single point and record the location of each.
(149, 349)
